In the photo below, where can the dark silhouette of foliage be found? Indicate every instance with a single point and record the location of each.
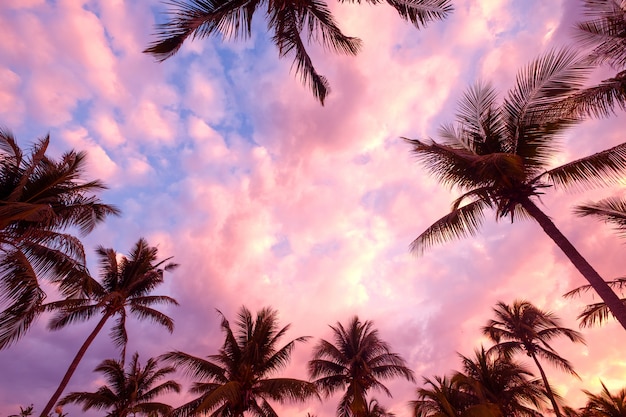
(356, 362)
(130, 392)
(522, 327)
(42, 200)
(290, 22)
(125, 287)
(238, 379)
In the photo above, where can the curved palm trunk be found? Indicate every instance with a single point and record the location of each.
(73, 366)
(612, 301)
(546, 384)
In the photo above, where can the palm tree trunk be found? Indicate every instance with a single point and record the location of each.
(546, 384)
(612, 301)
(74, 365)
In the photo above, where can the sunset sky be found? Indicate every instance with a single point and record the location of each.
(225, 161)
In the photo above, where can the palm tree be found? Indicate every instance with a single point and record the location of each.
(125, 288)
(494, 379)
(356, 363)
(522, 327)
(40, 199)
(444, 397)
(605, 33)
(605, 404)
(499, 155)
(128, 393)
(238, 379)
(286, 19)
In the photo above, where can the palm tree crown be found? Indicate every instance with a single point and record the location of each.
(499, 156)
(605, 404)
(286, 20)
(40, 199)
(125, 287)
(491, 378)
(128, 393)
(356, 362)
(238, 379)
(522, 327)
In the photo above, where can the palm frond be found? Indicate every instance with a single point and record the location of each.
(322, 28)
(611, 210)
(605, 32)
(287, 38)
(459, 223)
(200, 19)
(602, 168)
(542, 84)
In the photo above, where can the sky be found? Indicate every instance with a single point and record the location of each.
(225, 162)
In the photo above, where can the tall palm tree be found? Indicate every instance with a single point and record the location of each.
(238, 379)
(499, 156)
(125, 287)
(444, 397)
(522, 327)
(287, 20)
(128, 393)
(596, 313)
(40, 200)
(495, 379)
(356, 363)
(605, 404)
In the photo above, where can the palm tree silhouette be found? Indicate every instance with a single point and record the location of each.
(494, 379)
(444, 397)
(522, 327)
(125, 288)
(356, 363)
(238, 379)
(40, 199)
(128, 393)
(499, 156)
(286, 19)
(605, 404)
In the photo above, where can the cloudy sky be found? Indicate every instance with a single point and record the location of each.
(222, 159)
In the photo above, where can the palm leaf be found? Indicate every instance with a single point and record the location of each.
(611, 210)
(602, 168)
(459, 223)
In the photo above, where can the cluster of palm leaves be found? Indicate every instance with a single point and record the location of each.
(290, 22)
(240, 379)
(493, 384)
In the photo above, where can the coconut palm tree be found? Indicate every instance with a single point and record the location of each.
(605, 404)
(357, 362)
(444, 397)
(499, 157)
(40, 200)
(522, 327)
(287, 20)
(125, 287)
(495, 379)
(128, 393)
(238, 379)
